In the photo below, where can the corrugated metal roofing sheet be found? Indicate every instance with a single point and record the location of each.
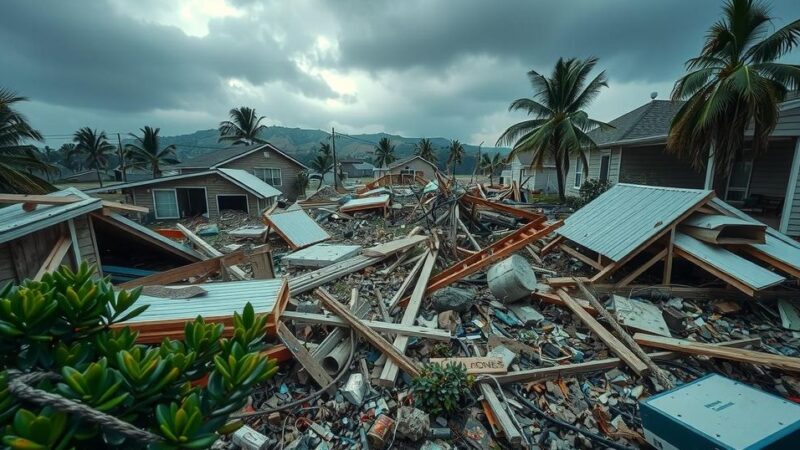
(714, 221)
(321, 255)
(298, 228)
(221, 299)
(627, 215)
(376, 201)
(16, 222)
(251, 182)
(743, 270)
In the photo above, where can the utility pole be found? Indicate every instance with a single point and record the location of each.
(122, 160)
(335, 165)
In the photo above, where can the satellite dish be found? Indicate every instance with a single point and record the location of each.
(653, 95)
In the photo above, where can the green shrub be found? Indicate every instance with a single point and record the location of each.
(592, 188)
(441, 389)
(60, 327)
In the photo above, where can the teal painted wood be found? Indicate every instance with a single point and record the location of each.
(16, 222)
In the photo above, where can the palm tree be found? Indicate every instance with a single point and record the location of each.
(17, 160)
(68, 154)
(735, 83)
(424, 149)
(323, 162)
(384, 152)
(243, 128)
(560, 124)
(489, 165)
(147, 151)
(455, 155)
(96, 148)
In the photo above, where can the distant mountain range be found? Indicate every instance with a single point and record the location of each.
(303, 145)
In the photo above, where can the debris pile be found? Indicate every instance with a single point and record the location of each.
(444, 315)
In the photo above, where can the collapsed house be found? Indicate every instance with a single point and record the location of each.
(38, 233)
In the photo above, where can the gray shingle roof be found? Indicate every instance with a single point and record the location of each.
(216, 157)
(649, 120)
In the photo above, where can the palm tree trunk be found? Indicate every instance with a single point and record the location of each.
(99, 180)
(155, 170)
(560, 178)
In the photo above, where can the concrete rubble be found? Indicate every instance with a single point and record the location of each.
(565, 386)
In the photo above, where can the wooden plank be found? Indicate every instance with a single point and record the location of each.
(567, 370)
(554, 299)
(580, 256)
(209, 250)
(124, 228)
(125, 207)
(39, 199)
(402, 361)
(394, 246)
(501, 416)
(641, 269)
(54, 259)
(507, 209)
(555, 242)
(390, 369)
(557, 282)
(379, 326)
(302, 356)
(783, 363)
(178, 274)
(332, 339)
(412, 275)
(614, 344)
(667, 279)
(476, 364)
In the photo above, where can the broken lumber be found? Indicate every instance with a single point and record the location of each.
(412, 275)
(654, 370)
(510, 431)
(392, 247)
(390, 369)
(29, 202)
(202, 268)
(54, 258)
(402, 361)
(377, 325)
(209, 250)
(614, 344)
(332, 339)
(566, 370)
(475, 364)
(111, 206)
(784, 363)
(302, 355)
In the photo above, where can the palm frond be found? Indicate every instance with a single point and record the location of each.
(775, 45)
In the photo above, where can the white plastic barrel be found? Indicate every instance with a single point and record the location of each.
(511, 279)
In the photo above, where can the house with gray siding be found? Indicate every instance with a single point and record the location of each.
(411, 166)
(198, 193)
(765, 186)
(265, 161)
(520, 170)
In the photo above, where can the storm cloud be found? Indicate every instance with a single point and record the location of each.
(435, 68)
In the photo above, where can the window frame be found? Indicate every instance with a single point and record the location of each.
(578, 174)
(174, 196)
(272, 170)
(607, 159)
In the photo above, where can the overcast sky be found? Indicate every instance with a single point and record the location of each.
(432, 68)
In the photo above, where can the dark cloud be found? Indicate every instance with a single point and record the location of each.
(91, 57)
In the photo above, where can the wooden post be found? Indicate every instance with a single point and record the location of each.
(668, 261)
(302, 355)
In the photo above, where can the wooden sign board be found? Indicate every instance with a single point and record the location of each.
(476, 365)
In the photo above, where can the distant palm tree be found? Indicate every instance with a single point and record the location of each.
(323, 162)
(68, 154)
(17, 160)
(735, 83)
(560, 123)
(424, 149)
(490, 165)
(147, 151)
(243, 127)
(455, 155)
(384, 152)
(95, 147)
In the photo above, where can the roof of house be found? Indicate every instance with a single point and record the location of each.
(15, 222)
(241, 178)
(404, 161)
(216, 158)
(647, 121)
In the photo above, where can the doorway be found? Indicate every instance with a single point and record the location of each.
(234, 202)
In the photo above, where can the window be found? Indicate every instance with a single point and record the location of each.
(232, 202)
(578, 173)
(605, 160)
(165, 202)
(739, 181)
(268, 175)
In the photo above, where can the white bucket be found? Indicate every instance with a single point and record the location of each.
(511, 279)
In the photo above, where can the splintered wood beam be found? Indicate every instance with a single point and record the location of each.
(580, 256)
(200, 268)
(667, 279)
(641, 269)
(435, 334)
(209, 250)
(555, 242)
(567, 370)
(54, 258)
(554, 299)
(557, 282)
(29, 202)
(301, 354)
(512, 434)
(784, 363)
(510, 210)
(614, 344)
(402, 361)
(117, 206)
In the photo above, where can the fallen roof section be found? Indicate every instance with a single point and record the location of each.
(619, 221)
(726, 265)
(722, 229)
(122, 222)
(250, 182)
(358, 204)
(321, 255)
(16, 222)
(166, 317)
(297, 228)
